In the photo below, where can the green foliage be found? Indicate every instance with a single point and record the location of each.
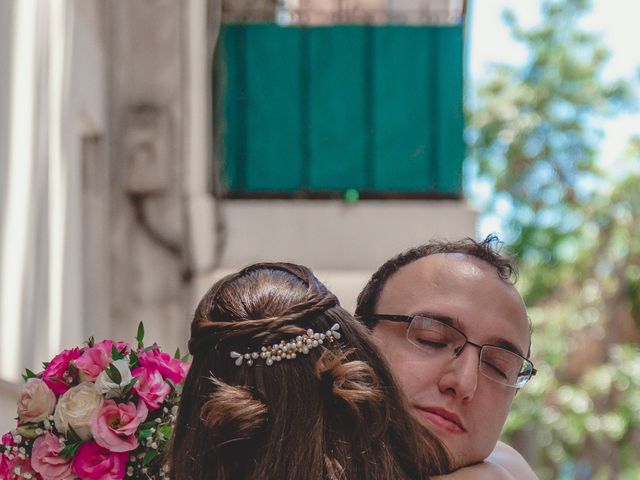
(534, 136)
(535, 139)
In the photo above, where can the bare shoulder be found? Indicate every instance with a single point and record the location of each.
(510, 459)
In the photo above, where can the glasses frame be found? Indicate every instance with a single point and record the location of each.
(409, 319)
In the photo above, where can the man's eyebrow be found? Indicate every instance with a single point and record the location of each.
(454, 322)
(451, 321)
(507, 345)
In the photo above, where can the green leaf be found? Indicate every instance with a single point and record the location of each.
(145, 433)
(177, 354)
(129, 386)
(151, 347)
(165, 431)
(90, 341)
(115, 354)
(186, 358)
(149, 456)
(72, 436)
(29, 374)
(140, 335)
(70, 450)
(133, 359)
(114, 374)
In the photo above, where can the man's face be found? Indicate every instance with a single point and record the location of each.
(462, 407)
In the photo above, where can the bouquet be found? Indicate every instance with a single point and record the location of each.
(104, 410)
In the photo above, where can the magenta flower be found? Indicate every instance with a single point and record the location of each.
(150, 387)
(7, 439)
(114, 425)
(6, 466)
(56, 374)
(170, 368)
(92, 461)
(46, 459)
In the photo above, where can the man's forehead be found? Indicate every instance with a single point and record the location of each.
(449, 272)
(458, 285)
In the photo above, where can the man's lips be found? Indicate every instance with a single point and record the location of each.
(442, 418)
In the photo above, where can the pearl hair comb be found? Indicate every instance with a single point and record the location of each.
(288, 349)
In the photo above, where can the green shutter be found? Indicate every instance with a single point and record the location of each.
(323, 109)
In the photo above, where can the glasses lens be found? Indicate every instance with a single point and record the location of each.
(504, 367)
(434, 337)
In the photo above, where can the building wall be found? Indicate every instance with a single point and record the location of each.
(123, 228)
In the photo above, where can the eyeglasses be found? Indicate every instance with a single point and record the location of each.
(440, 340)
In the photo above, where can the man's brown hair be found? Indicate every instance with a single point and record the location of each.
(488, 250)
(332, 414)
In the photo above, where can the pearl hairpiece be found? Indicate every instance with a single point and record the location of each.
(289, 350)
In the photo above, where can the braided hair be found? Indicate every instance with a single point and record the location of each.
(332, 414)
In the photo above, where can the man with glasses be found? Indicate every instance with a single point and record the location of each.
(456, 335)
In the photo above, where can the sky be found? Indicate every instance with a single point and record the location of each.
(489, 41)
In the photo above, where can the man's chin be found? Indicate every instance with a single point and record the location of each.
(461, 455)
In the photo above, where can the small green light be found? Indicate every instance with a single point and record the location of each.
(351, 195)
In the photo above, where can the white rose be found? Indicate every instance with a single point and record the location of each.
(108, 387)
(37, 401)
(75, 409)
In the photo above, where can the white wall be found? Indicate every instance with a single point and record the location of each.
(56, 83)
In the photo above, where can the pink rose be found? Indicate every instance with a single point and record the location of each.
(55, 374)
(170, 368)
(95, 359)
(46, 459)
(114, 425)
(150, 387)
(93, 461)
(37, 401)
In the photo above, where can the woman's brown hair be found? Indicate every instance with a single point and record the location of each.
(332, 414)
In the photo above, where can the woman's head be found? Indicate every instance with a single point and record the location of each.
(330, 412)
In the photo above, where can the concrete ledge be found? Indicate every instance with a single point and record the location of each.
(334, 235)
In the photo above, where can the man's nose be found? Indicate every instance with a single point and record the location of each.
(460, 376)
